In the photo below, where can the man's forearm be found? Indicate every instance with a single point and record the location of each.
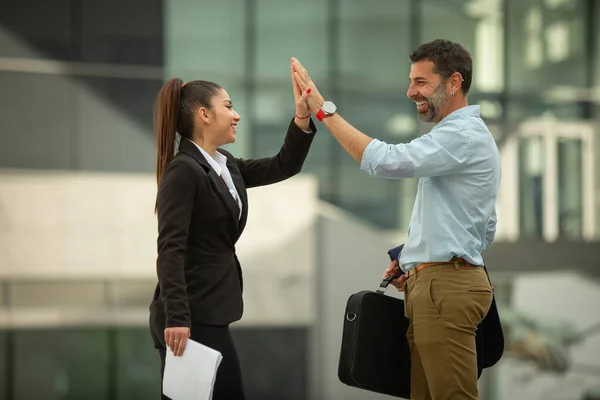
(352, 140)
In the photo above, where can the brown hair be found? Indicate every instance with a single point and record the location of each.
(176, 106)
(448, 57)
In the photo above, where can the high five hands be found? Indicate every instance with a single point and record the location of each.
(305, 85)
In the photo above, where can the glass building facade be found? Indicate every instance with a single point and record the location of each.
(81, 84)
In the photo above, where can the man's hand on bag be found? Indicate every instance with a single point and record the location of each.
(394, 269)
(176, 338)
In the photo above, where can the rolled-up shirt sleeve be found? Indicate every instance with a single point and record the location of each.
(442, 151)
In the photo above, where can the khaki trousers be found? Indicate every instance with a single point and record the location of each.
(444, 304)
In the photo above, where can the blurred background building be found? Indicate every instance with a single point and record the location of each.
(77, 232)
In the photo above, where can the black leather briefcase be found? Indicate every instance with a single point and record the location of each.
(375, 354)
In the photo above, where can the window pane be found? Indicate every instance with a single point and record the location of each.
(443, 19)
(378, 200)
(531, 166)
(476, 25)
(277, 25)
(208, 41)
(65, 364)
(374, 59)
(546, 47)
(569, 188)
(138, 365)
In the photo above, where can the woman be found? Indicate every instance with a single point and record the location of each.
(202, 210)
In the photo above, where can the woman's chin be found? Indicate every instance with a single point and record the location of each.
(228, 139)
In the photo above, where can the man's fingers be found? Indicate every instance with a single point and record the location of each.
(301, 70)
(392, 269)
(301, 83)
(400, 282)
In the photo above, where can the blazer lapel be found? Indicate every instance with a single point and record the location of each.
(240, 186)
(216, 181)
(223, 191)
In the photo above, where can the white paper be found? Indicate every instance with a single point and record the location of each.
(192, 375)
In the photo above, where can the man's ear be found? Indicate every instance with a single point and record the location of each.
(456, 81)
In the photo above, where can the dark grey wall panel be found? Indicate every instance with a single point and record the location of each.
(4, 388)
(122, 32)
(115, 125)
(95, 118)
(116, 32)
(537, 255)
(37, 29)
(36, 114)
(274, 362)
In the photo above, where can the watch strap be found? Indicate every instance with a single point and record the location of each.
(320, 115)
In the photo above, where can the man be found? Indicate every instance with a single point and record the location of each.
(447, 292)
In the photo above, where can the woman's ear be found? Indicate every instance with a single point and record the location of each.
(204, 115)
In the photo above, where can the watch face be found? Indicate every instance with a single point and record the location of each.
(329, 107)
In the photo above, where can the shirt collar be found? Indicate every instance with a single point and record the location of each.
(221, 159)
(468, 111)
(215, 164)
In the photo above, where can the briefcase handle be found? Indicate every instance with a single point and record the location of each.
(384, 284)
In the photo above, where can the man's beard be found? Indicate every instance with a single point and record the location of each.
(435, 103)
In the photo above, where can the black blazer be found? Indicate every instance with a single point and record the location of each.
(199, 275)
(489, 338)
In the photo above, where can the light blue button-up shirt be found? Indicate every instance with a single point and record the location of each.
(458, 164)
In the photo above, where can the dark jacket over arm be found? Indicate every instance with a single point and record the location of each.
(285, 164)
(174, 216)
(199, 223)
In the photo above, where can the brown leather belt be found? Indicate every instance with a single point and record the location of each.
(455, 261)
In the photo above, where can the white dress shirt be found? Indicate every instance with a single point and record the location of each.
(219, 164)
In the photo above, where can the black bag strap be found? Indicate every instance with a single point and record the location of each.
(384, 284)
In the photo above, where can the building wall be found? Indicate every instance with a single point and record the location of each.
(83, 88)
